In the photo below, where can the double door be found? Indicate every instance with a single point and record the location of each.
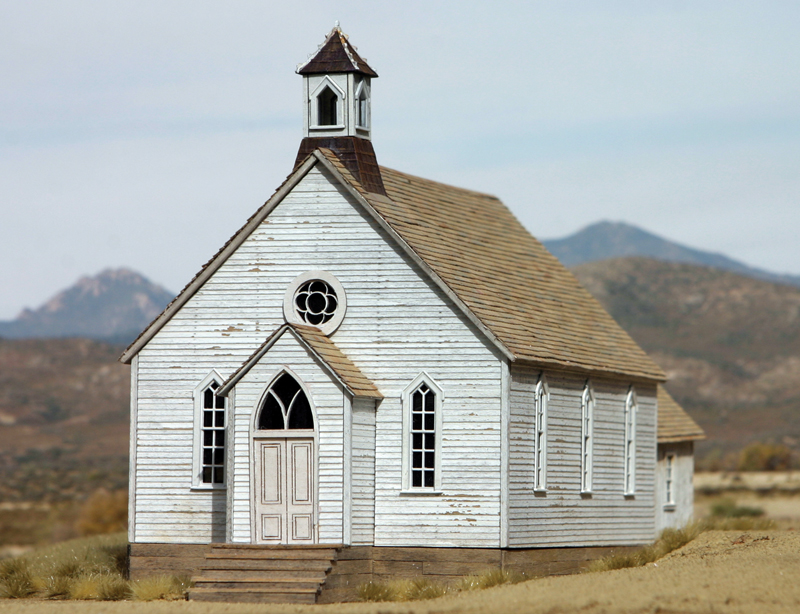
(284, 495)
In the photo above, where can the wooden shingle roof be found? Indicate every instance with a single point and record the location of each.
(504, 281)
(528, 300)
(340, 366)
(674, 424)
(336, 55)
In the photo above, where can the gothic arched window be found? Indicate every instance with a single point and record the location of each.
(285, 406)
(327, 103)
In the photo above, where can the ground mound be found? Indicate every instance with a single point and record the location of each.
(747, 572)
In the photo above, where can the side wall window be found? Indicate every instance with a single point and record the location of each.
(209, 439)
(541, 397)
(669, 480)
(631, 408)
(587, 437)
(422, 435)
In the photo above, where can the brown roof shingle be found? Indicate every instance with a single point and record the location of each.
(515, 287)
(674, 424)
(336, 55)
(320, 345)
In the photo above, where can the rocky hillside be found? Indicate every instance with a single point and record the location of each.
(730, 344)
(605, 240)
(114, 305)
(63, 418)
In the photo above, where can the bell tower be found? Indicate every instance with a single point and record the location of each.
(337, 99)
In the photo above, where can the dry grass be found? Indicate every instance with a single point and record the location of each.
(672, 539)
(160, 587)
(425, 588)
(92, 568)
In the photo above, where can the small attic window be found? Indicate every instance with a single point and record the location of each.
(327, 102)
(362, 113)
(316, 302)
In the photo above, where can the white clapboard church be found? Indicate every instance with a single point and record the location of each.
(382, 375)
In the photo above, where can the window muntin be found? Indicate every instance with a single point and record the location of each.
(669, 480)
(316, 302)
(422, 435)
(327, 103)
(210, 436)
(631, 409)
(541, 396)
(587, 428)
(213, 461)
(362, 106)
(285, 406)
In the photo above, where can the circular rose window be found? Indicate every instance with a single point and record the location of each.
(315, 302)
(315, 298)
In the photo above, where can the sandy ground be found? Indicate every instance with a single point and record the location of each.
(721, 571)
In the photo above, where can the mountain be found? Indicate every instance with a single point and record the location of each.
(113, 305)
(730, 344)
(605, 240)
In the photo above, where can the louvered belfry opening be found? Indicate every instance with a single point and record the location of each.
(340, 122)
(286, 406)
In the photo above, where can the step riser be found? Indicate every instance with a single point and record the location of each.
(298, 587)
(265, 574)
(252, 597)
(228, 575)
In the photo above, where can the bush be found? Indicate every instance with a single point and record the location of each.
(104, 512)
(727, 508)
(160, 587)
(765, 457)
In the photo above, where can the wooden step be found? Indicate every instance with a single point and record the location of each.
(291, 547)
(283, 555)
(235, 595)
(283, 584)
(264, 564)
(226, 575)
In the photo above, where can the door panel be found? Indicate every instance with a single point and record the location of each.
(284, 491)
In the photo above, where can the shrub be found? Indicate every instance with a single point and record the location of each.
(160, 587)
(423, 588)
(113, 588)
(376, 591)
(16, 580)
(765, 457)
(727, 508)
(58, 587)
(85, 587)
(104, 512)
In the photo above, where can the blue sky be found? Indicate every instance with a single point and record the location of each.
(142, 134)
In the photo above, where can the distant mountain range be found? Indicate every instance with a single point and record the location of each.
(114, 305)
(605, 240)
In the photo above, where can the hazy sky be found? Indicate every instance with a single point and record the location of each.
(143, 134)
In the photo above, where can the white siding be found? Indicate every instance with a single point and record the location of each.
(562, 516)
(327, 399)
(397, 325)
(363, 472)
(679, 514)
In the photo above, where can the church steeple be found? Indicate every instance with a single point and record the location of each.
(336, 89)
(337, 114)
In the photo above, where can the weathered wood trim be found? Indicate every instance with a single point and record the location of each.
(418, 260)
(505, 391)
(230, 456)
(133, 441)
(347, 487)
(218, 260)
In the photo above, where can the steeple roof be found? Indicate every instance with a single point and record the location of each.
(335, 55)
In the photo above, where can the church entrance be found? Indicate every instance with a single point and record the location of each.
(285, 466)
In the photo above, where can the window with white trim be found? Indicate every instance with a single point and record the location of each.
(669, 480)
(362, 105)
(541, 395)
(327, 105)
(587, 443)
(631, 408)
(422, 435)
(210, 434)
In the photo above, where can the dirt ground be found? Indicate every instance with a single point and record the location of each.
(755, 572)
